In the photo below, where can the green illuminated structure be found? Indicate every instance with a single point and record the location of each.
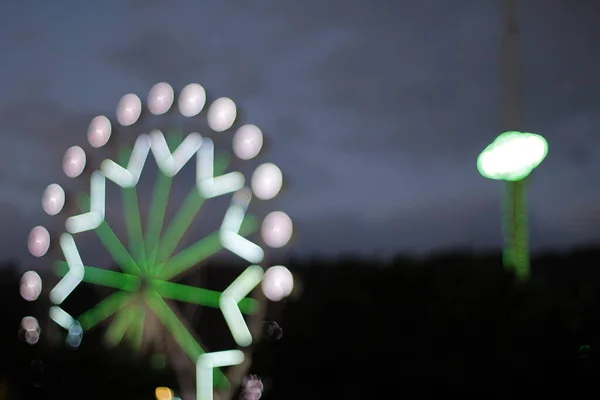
(149, 264)
(511, 158)
(148, 267)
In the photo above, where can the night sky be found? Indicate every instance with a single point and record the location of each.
(376, 111)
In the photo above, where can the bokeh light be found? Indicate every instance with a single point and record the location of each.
(160, 98)
(585, 351)
(277, 229)
(221, 114)
(277, 283)
(192, 100)
(32, 329)
(38, 242)
(163, 393)
(267, 180)
(512, 156)
(252, 388)
(272, 331)
(129, 109)
(30, 324)
(99, 131)
(31, 286)
(53, 199)
(247, 142)
(74, 161)
(74, 336)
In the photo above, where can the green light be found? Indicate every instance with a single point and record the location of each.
(179, 332)
(103, 277)
(150, 262)
(160, 198)
(184, 217)
(512, 156)
(119, 325)
(104, 309)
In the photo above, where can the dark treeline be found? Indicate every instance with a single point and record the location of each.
(357, 328)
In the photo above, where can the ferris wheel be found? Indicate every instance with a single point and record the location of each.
(151, 262)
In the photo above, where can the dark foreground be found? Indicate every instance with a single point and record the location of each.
(358, 329)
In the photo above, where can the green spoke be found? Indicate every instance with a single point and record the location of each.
(104, 277)
(119, 325)
(201, 250)
(132, 216)
(180, 333)
(136, 329)
(134, 226)
(180, 223)
(104, 309)
(110, 240)
(203, 297)
(160, 197)
(184, 217)
(191, 256)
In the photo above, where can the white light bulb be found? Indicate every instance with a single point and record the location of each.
(247, 142)
(74, 161)
(276, 229)
(31, 285)
(278, 283)
(267, 180)
(192, 100)
(129, 109)
(160, 98)
(53, 199)
(38, 241)
(99, 131)
(221, 114)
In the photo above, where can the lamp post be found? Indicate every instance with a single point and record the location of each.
(511, 157)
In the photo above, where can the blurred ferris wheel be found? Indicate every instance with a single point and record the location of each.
(151, 263)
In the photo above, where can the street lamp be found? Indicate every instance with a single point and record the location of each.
(511, 157)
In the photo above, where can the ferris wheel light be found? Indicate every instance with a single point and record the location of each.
(221, 114)
(205, 365)
(32, 329)
(99, 131)
(164, 260)
(276, 229)
(74, 161)
(39, 241)
(267, 180)
(53, 199)
(76, 270)
(31, 286)
(277, 283)
(61, 317)
(129, 109)
(171, 163)
(30, 324)
(192, 100)
(74, 336)
(247, 142)
(160, 98)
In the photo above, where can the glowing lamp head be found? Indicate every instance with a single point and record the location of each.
(512, 156)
